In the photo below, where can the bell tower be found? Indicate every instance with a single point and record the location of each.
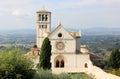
(43, 26)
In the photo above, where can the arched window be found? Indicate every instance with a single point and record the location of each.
(42, 26)
(86, 66)
(62, 63)
(43, 17)
(40, 17)
(46, 17)
(45, 26)
(39, 26)
(57, 63)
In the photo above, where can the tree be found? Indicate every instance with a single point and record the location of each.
(14, 65)
(114, 60)
(45, 54)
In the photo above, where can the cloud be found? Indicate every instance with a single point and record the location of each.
(17, 12)
(1, 14)
(81, 3)
(110, 1)
(76, 12)
(76, 3)
(20, 13)
(86, 2)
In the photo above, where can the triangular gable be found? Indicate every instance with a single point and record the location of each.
(62, 30)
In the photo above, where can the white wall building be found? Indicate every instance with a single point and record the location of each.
(66, 54)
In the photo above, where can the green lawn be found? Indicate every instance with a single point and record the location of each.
(46, 74)
(80, 76)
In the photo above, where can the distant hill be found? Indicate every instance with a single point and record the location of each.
(89, 31)
(98, 40)
(18, 33)
(101, 31)
(22, 36)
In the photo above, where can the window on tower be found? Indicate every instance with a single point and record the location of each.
(39, 17)
(42, 26)
(46, 26)
(46, 17)
(43, 17)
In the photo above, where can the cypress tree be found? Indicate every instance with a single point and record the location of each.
(45, 54)
(114, 60)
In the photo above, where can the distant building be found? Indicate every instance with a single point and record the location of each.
(33, 54)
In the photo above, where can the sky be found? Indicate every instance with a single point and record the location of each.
(74, 14)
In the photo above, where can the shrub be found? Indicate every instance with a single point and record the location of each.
(43, 74)
(114, 60)
(115, 71)
(13, 65)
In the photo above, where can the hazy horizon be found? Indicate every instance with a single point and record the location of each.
(79, 14)
(67, 28)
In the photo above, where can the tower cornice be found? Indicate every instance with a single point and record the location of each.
(43, 11)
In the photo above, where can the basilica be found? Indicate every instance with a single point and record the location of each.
(68, 55)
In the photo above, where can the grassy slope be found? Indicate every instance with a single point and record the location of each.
(80, 76)
(46, 74)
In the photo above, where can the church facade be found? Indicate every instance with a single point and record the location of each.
(68, 55)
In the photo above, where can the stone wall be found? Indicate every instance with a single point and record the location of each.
(98, 73)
